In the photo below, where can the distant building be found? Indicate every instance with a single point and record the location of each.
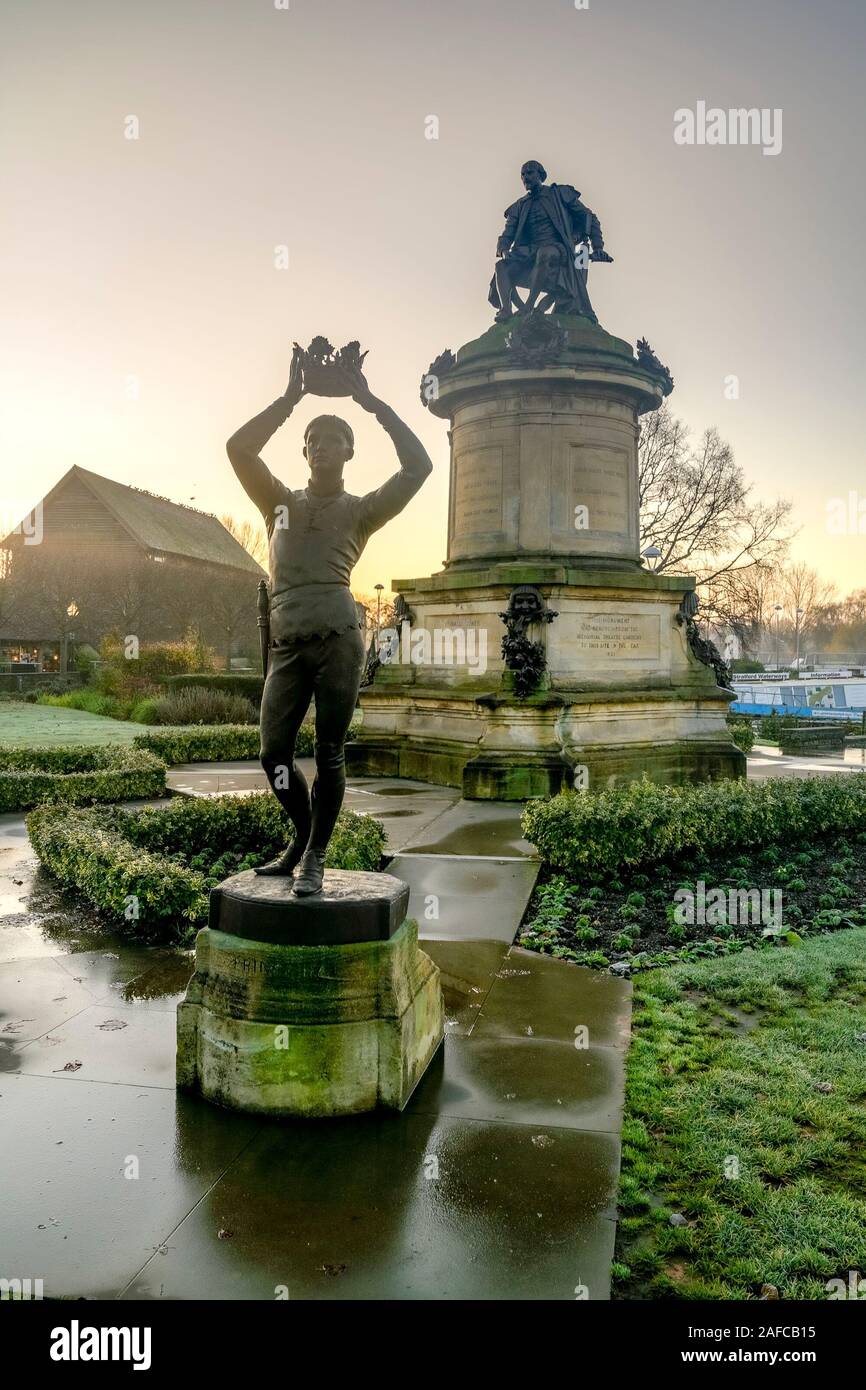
(96, 556)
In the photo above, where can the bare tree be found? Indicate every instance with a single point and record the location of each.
(744, 600)
(840, 625)
(697, 507)
(804, 594)
(253, 537)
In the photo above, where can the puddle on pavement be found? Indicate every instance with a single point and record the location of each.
(393, 791)
(170, 975)
(488, 838)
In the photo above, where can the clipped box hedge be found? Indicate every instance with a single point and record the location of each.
(826, 738)
(245, 683)
(212, 743)
(597, 834)
(151, 869)
(77, 774)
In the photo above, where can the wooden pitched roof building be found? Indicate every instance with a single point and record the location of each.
(122, 560)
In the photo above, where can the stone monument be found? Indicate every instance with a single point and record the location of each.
(544, 655)
(310, 995)
(310, 1006)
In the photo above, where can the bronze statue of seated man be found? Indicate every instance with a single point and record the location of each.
(537, 249)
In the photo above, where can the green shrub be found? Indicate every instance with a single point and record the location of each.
(586, 934)
(87, 699)
(204, 743)
(595, 834)
(130, 679)
(231, 683)
(153, 867)
(85, 852)
(210, 743)
(85, 659)
(73, 775)
(771, 725)
(201, 706)
(145, 711)
(743, 734)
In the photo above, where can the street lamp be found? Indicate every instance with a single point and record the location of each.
(378, 588)
(72, 611)
(797, 658)
(777, 610)
(652, 553)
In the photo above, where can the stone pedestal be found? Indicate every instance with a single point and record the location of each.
(311, 1007)
(544, 492)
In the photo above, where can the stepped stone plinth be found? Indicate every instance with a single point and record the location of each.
(606, 678)
(313, 1007)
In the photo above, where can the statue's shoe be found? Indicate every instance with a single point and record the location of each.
(310, 874)
(283, 867)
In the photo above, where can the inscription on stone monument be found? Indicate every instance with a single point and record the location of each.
(478, 491)
(599, 482)
(618, 635)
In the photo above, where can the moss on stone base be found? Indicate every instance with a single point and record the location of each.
(311, 1031)
(521, 774)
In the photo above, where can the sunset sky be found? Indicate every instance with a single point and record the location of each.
(151, 261)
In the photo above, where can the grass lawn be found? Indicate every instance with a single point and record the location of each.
(746, 1121)
(23, 723)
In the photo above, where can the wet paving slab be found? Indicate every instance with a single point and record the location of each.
(36, 996)
(766, 760)
(109, 1042)
(537, 996)
(467, 970)
(527, 1081)
(96, 1177)
(478, 828)
(466, 899)
(416, 1206)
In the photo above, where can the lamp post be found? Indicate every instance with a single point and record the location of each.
(797, 658)
(378, 588)
(72, 611)
(777, 610)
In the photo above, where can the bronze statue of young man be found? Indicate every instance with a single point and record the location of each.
(537, 249)
(316, 536)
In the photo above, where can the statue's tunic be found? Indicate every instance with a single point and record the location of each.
(315, 543)
(539, 228)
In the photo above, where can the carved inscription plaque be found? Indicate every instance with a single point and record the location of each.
(478, 491)
(600, 483)
(617, 636)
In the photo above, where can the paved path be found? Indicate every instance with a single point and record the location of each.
(765, 760)
(497, 1181)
